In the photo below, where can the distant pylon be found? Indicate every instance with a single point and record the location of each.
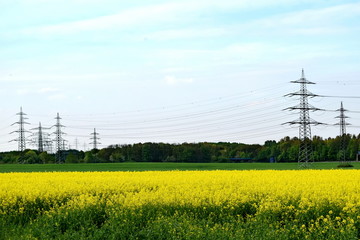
(41, 139)
(304, 121)
(342, 124)
(95, 139)
(21, 140)
(59, 141)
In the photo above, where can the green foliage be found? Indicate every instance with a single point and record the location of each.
(170, 159)
(29, 157)
(46, 158)
(117, 157)
(72, 158)
(100, 221)
(91, 158)
(345, 165)
(285, 150)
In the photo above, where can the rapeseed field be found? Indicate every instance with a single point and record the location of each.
(269, 204)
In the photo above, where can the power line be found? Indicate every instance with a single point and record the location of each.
(328, 96)
(186, 106)
(229, 116)
(232, 117)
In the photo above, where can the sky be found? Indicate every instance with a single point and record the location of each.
(175, 71)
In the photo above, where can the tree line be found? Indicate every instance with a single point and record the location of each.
(285, 150)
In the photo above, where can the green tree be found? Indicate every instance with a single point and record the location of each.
(90, 158)
(29, 157)
(72, 158)
(105, 153)
(146, 153)
(117, 157)
(46, 158)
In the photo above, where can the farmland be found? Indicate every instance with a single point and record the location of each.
(221, 204)
(136, 166)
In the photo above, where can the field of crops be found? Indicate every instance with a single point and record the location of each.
(269, 204)
(162, 166)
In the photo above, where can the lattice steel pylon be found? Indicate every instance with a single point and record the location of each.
(41, 139)
(59, 141)
(305, 150)
(342, 123)
(22, 139)
(95, 139)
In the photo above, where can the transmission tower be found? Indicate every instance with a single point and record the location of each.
(342, 125)
(95, 139)
(21, 140)
(41, 139)
(304, 121)
(59, 141)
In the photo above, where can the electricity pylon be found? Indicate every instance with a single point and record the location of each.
(95, 139)
(21, 140)
(342, 124)
(304, 121)
(59, 141)
(41, 139)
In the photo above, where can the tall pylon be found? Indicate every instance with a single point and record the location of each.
(41, 139)
(305, 150)
(342, 123)
(21, 139)
(59, 141)
(95, 139)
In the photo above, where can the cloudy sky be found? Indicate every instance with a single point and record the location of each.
(175, 71)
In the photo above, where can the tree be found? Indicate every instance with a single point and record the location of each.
(72, 158)
(30, 157)
(117, 157)
(146, 153)
(90, 158)
(105, 153)
(46, 158)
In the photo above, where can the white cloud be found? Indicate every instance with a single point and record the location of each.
(322, 19)
(321, 30)
(171, 80)
(247, 50)
(23, 91)
(57, 97)
(244, 52)
(175, 69)
(64, 79)
(150, 14)
(186, 33)
(122, 19)
(47, 90)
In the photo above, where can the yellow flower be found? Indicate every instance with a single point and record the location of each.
(290, 193)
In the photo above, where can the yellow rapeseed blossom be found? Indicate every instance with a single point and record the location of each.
(290, 193)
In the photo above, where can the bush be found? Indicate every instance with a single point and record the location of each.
(345, 165)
